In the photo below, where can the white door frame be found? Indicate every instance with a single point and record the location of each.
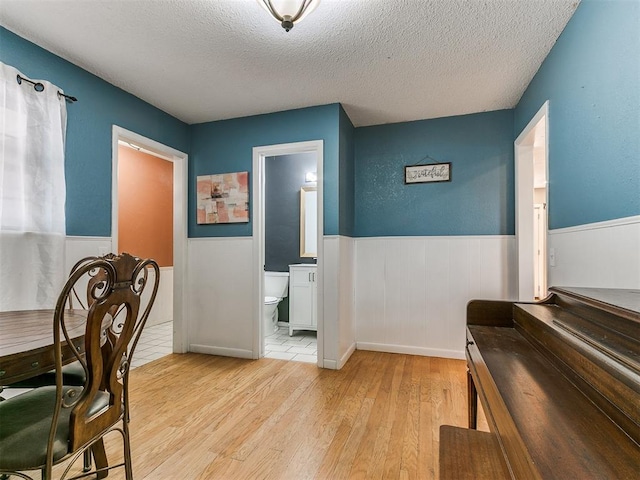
(523, 147)
(180, 166)
(259, 156)
(539, 234)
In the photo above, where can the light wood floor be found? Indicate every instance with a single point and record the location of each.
(205, 417)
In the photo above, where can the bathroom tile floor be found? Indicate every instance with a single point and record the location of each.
(302, 346)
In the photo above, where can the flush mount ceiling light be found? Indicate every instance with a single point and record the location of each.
(289, 12)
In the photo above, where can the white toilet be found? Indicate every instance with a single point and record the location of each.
(275, 289)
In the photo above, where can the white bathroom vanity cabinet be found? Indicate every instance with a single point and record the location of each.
(303, 297)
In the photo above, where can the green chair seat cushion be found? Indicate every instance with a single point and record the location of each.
(72, 374)
(25, 422)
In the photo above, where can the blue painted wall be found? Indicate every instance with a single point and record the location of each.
(478, 201)
(89, 128)
(227, 146)
(591, 78)
(346, 176)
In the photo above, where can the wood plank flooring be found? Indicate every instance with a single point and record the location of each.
(206, 417)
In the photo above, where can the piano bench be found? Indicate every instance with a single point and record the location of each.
(467, 454)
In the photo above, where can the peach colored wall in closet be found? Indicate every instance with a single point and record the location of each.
(145, 206)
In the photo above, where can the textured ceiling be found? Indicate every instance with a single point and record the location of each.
(385, 61)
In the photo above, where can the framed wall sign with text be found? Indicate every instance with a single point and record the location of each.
(432, 172)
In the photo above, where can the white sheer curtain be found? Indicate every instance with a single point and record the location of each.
(32, 193)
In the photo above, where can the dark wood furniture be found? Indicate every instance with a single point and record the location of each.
(559, 382)
(54, 423)
(26, 338)
(26, 342)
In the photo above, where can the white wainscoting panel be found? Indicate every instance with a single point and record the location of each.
(411, 293)
(77, 248)
(162, 310)
(346, 300)
(339, 317)
(603, 254)
(81, 247)
(220, 296)
(330, 310)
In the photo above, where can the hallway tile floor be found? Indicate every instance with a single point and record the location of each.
(302, 346)
(155, 342)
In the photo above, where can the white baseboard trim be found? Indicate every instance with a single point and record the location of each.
(422, 351)
(329, 364)
(347, 355)
(222, 351)
(594, 226)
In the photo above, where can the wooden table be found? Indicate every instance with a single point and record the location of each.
(26, 342)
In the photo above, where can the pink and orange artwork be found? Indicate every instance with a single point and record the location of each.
(223, 198)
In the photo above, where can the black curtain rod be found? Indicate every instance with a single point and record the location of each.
(39, 87)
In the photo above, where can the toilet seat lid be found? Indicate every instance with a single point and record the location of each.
(271, 299)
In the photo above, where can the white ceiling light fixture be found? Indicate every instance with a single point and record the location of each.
(289, 12)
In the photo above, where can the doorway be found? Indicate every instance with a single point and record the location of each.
(262, 156)
(532, 206)
(173, 278)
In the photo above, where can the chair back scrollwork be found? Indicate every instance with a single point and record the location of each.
(117, 312)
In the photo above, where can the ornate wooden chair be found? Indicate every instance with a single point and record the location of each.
(52, 424)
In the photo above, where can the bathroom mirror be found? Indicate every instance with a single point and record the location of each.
(308, 222)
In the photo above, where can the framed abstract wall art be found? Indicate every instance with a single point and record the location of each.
(223, 198)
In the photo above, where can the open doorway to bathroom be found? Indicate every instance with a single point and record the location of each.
(148, 220)
(287, 184)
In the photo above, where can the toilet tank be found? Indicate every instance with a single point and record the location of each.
(275, 284)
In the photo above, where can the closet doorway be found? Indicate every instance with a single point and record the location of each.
(149, 220)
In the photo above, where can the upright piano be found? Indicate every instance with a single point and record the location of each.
(559, 383)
